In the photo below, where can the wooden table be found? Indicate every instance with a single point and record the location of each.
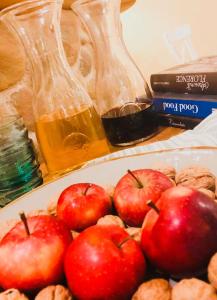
(163, 134)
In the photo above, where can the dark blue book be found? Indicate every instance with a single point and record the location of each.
(177, 121)
(196, 77)
(194, 106)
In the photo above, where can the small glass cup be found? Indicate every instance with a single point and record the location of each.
(19, 168)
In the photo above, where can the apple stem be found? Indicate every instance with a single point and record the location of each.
(25, 223)
(151, 204)
(87, 188)
(137, 179)
(124, 241)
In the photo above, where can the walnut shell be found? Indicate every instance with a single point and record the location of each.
(169, 171)
(52, 207)
(111, 220)
(54, 292)
(110, 190)
(196, 177)
(193, 289)
(39, 212)
(75, 234)
(135, 233)
(12, 294)
(155, 289)
(212, 271)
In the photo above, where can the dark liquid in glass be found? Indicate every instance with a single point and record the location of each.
(131, 123)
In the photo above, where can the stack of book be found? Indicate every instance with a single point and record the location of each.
(186, 94)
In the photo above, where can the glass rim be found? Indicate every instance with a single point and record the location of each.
(28, 4)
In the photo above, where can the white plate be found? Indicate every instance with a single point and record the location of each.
(108, 173)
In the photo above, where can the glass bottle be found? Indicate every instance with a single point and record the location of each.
(19, 168)
(79, 49)
(122, 94)
(68, 128)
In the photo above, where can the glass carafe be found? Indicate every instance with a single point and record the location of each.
(19, 168)
(79, 50)
(68, 128)
(122, 95)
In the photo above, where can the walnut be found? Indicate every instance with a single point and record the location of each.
(38, 212)
(110, 190)
(12, 294)
(111, 220)
(74, 234)
(155, 289)
(208, 193)
(52, 208)
(169, 171)
(193, 289)
(135, 233)
(212, 271)
(54, 292)
(6, 226)
(196, 177)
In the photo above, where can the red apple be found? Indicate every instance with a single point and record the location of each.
(103, 262)
(31, 258)
(82, 205)
(134, 190)
(181, 236)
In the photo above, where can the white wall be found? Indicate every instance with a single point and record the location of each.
(146, 22)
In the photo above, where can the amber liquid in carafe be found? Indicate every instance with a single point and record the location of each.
(67, 143)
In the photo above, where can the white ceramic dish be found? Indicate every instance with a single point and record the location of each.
(108, 173)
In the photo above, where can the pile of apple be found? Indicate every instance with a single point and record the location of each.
(178, 238)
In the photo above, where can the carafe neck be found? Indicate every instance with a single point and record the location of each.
(102, 20)
(37, 25)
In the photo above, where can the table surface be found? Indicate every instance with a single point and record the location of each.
(163, 134)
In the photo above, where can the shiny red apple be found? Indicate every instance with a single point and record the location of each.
(82, 205)
(104, 262)
(31, 256)
(180, 237)
(134, 190)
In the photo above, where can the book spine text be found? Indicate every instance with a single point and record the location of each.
(201, 83)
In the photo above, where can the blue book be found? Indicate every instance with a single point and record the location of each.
(194, 106)
(177, 121)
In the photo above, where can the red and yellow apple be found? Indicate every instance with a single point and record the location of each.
(31, 256)
(134, 190)
(180, 236)
(82, 205)
(104, 262)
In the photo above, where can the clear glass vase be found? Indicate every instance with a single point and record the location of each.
(68, 128)
(19, 167)
(122, 94)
